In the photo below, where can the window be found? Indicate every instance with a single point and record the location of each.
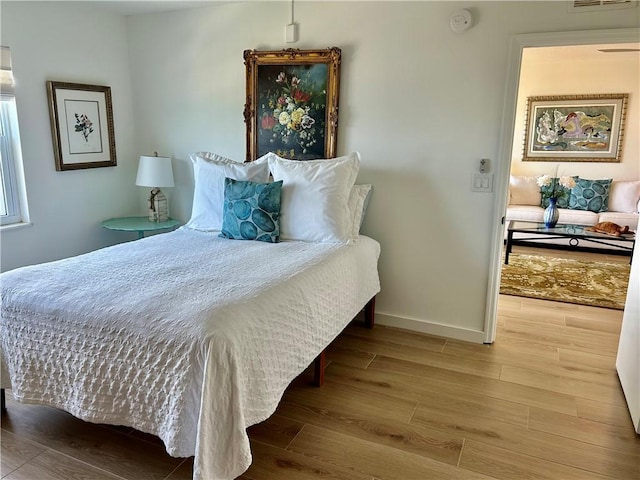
(12, 209)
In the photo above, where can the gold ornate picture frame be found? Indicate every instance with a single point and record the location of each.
(292, 102)
(81, 125)
(575, 128)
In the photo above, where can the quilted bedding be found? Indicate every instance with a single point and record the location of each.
(184, 335)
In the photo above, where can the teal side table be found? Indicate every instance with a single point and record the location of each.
(138, 224)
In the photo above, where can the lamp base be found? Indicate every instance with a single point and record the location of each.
(158, 206)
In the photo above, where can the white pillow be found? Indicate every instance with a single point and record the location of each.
(358, 199)
(315, 195)
(210, 170)
(624, 196)
(524, 191)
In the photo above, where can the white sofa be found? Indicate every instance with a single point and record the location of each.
(525, 200)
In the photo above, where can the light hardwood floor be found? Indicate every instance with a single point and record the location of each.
(543, 402)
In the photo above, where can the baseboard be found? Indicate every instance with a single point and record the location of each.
(431, 328)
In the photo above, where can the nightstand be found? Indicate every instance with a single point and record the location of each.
(138, 224)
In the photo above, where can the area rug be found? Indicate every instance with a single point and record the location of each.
(599, 284)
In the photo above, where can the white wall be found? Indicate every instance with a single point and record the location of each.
(572, 71)
(422, 104)
(70, 43)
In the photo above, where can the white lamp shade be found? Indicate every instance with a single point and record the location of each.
(155, 172)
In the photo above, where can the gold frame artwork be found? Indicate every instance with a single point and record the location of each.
(81, 125)
(292, 102)
(575, 128)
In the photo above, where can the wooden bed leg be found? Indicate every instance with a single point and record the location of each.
(3, 407)
(370, 313)
(318, 369)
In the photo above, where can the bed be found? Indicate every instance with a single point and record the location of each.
(184, 335)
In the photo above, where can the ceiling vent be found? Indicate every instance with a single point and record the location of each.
(579, 6)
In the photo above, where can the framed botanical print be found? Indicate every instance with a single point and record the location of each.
(81, 125)
(575, 128)
(292, 102)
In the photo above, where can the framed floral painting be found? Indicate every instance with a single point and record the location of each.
(81, 125)
(292, 103)
(575, 128)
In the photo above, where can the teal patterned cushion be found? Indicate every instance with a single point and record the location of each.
(592, 195)
(251, 210)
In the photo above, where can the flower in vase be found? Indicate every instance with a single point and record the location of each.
(557, 188)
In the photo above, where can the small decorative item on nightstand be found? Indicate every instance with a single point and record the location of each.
(156, 172)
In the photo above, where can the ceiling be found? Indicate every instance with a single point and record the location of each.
(137, 7)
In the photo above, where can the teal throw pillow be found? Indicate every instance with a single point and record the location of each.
(251, 210)
(592, 195)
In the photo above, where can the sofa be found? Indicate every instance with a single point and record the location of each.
(623, 204)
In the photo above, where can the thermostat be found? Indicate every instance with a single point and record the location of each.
(461, 20)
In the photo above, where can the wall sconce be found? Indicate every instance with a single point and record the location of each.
(156, 172)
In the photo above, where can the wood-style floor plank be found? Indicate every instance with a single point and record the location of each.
(547, 446)
(51, 465)
(102, 447)
(568, 337)
(618, 438)
(575, 387)
(425, 442)
(372, 459)
(543, 402)
(272, 463)
(507, 465)
(489, 387)
(573, 358)
(446, 397)
(15, 451)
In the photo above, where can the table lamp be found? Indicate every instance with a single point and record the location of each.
(156, 172)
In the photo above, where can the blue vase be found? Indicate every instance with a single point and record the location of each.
(551, 214)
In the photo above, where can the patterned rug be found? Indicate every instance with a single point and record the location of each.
(598, 284)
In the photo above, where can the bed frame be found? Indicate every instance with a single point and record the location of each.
(320, 362)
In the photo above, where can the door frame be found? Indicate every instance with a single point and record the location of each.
(516, 46)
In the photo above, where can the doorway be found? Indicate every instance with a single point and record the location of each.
(508, 141)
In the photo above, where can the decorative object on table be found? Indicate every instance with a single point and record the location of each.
(575, 128)
(609, 228)
(554, 192)
(292, 102)
(599, 284)
(156, 172)
(551, 214)
(81, 125)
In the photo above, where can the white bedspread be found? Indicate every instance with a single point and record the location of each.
(183, 335)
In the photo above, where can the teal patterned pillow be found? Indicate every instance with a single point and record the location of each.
(592, 195)
(251, 210)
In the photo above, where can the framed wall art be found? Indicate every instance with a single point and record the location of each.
(292, 102)
(81, 125)
(575, 128)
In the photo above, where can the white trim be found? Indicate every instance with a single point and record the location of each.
(517, 44)
(432, 328)
(15, 226)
